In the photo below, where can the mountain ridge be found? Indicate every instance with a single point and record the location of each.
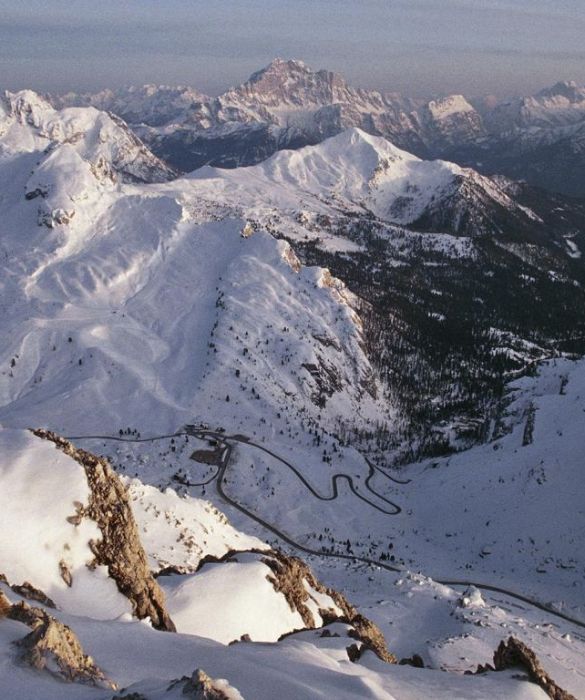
(288, 105)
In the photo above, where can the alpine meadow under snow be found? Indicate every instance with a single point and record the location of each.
(309, 425)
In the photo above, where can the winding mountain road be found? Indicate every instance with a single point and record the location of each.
(224, 441)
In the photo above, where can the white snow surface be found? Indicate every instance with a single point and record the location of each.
(353, 170)
(145, 301)
(222, 602)
(228, 600)
(448, 106)
(179, 532)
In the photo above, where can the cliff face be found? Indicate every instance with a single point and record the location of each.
(513, 653)
(294, 579)
(120, 548)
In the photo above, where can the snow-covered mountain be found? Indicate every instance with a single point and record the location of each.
(562, 104)
(101, 274)
(269, 342)
(367, 174)
(284, 105)
(434, 250)
(155, 105)
(288, 105)
(124, 267)
(29, 122)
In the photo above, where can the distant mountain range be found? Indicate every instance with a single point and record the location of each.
(540, 139)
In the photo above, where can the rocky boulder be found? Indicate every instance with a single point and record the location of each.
(53, 647)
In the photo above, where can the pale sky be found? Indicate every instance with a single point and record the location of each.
(417, 47)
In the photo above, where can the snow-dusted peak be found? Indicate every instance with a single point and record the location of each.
(30, 123)
(278, 67)
(568, 89)
(356, 150)
(290, 82)
(359, 168)
(448, 106)
(345, 168)
(560, 105)
(27, 107)
(355, 171)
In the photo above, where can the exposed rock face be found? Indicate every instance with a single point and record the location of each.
(120, 548)
(201, 687)
(4, 605)
(289, 576)
(52, 646)
(28, 591)
(415, 660)
(514, 653)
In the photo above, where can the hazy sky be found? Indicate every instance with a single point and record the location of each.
(417, 47)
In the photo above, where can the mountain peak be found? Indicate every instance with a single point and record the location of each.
(447, 106)
(27, 106)
(292, 81)
(279, 67)
(564, 88)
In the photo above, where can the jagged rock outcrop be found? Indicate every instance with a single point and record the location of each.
(4, 605)
(416, 661)
(54, 647)
(201, 687)
(289, 575)
(28, 591)
(514, 653)
(120, 548)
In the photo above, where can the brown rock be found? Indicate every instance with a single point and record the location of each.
(289, 573)
(514, 654)
(52, 646)
(201, 687)
(5, 605)
(28, 591)
(65, 573)
(120, 548)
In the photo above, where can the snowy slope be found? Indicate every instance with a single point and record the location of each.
(525, 489)
(490, 514)
(360, 173)
(178, 533)
(155, 309)
(54, 551)
(40, 488)
(301, 668)
(156, 305)
(30, 123)
(210, 606)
